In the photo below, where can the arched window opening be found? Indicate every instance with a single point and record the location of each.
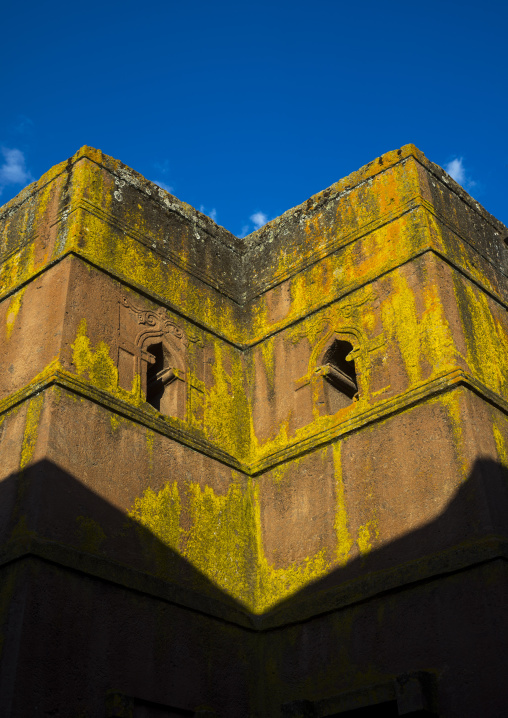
(339, 387)
(159, 375)
(341, 372)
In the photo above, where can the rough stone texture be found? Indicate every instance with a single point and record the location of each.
(206, 509)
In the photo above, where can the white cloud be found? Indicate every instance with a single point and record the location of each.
(457, 171)
(162, 168)
(13, 170)
(258, 219)
(212, 213)
(163, 185)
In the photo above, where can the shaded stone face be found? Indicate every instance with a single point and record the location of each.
(271, 468)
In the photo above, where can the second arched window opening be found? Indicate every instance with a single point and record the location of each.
(159, 375)
(340, 375)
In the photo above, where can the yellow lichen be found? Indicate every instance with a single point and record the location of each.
(123, 255)
(224, 542)
(277, 584)
(227, 411)
(401, 320)
(13, 310)
(31, 429)
(96, 364)
(160, 513)
(17, 268)
(439, 348)
(500, 445)
(220, 533)
(486, 337)
(344, 541)
(115, 420)
(366, 533)
(220, 541)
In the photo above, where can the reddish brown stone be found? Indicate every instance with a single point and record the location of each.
(253, 477)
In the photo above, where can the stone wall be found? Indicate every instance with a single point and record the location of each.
(252, 477)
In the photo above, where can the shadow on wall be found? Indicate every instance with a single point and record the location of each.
(460, 535)
(89, 627)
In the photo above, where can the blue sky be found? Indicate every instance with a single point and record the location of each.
(246, 109)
